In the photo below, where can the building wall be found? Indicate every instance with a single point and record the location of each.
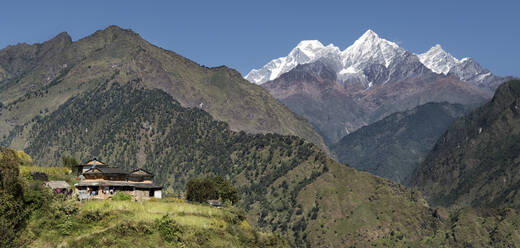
(157, 194)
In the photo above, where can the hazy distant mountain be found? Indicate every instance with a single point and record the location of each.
(394, 146)
(367, 81)
(477, 161)
(35, 80)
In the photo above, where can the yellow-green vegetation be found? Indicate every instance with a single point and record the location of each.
(54, 173)
(30, 215)
(143, 224)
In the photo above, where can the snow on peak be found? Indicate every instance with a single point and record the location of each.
(306, 51)
(370, 48)
(310, 44)
(438, 60)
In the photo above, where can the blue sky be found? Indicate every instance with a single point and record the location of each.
(247, 34)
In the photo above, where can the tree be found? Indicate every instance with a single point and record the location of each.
(225, 190)
(200, 190)
(203, 189)
(12, 213)
(69, 161)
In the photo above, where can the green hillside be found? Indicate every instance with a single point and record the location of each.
(394, 146)
(286, 185)
(47, 220)
(35, 80)
(477, 161)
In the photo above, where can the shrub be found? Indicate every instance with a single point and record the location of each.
(65, 226)
(120, 196)
(168, 229)
(128, 228)
(93, 216)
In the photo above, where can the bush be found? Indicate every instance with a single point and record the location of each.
(128, 228)
(93, 216)
(169, 229)
(203, 189)
(119, 196)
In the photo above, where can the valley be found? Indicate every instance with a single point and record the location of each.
(372, 146)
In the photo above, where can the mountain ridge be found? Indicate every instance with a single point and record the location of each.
(394, 146)
(374, 78)
(475, 163)
(336, 109)
(116, 54)
(369, 48)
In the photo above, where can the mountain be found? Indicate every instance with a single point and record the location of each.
(370, 50)
(466, 69)
(285, 184)
(368, 80)
(394, 146)
(477, 161)
(36, 79)
(337, 109)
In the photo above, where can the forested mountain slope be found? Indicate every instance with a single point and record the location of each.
(285, 184)
(394, 146)
(477, 161)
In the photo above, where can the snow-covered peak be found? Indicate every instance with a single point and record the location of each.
(306, 51)
(370, 48)
(358, 60)
(309, 45)
(438, 60)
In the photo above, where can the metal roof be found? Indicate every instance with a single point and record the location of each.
(106, 183)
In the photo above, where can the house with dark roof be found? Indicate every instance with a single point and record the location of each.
(81, 168)
(100, 181)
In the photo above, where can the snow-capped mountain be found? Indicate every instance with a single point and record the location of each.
(466, 69)
(373, 54)
(339, 91)
(305, 52)
(438, 60)
(370, 49)
(367, 50)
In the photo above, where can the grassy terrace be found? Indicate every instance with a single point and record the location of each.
(164, 223)
(186, 214)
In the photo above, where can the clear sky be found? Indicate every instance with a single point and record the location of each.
(247, 34)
